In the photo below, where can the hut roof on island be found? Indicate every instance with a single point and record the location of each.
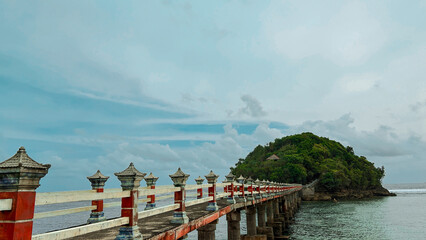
(273, 157)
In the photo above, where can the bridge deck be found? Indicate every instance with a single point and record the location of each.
(159, 226)
(156, 226)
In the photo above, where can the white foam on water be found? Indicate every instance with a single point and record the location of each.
(407, 190)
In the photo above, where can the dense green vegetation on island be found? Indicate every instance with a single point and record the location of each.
(302, 158)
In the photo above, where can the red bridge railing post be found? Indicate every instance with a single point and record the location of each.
(97, 181)
(130, 179)
(199, 181)
(249, 182)
(274, 188)
(150, 182)
(230, 178)
(241, 198)
(258, 188)
(268, 188)
(212, 179)
(179, 180)
(264, 189)
(19, 178)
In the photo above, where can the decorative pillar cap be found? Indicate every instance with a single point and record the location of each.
(258, 182)
(199, 180)
(98, 175)
(241, 179)
(130, 171)
(211, 177)
(230, 177)
(130, 177)
(98, 180)
(249, 180)
(179, 178)
(11, 170)
(22, 160)
(151, 179)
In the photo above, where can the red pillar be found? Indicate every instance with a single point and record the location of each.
(150, 182)
(230, 178)
(98, 182)
(130, 180)
(199, 193)
(250, 196)
(179, 180)
(269, 188)
(231, 198)
(241, 198)
(263, 189)
(19, 178)
(211, 179)
(199, 181)
(242, 191)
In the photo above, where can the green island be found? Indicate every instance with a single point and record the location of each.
(306, 157)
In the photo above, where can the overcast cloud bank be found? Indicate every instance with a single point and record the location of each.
(87, 85)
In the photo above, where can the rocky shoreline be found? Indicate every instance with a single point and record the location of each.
(347, 194)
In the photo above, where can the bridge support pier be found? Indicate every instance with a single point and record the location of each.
(261, 215)
(293, 205)
(276, 208)
(251, 220)
(299, 200)
(269, 212)
(207, 232)
(287, 214)
(234, 219)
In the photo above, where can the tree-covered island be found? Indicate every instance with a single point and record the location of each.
(303, 158)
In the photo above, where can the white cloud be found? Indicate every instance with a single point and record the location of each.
(381, 145)
(418, 106)
(161, 159)
(359, 83)
(264, 134)
(252, 107)
(381, 142)
(346, 34)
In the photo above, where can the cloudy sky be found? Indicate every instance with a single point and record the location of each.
(87, 85)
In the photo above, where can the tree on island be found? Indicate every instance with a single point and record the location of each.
(303, 158)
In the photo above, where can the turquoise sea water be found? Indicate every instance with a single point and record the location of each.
(400, 217)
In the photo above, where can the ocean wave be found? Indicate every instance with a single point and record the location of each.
(407, 190)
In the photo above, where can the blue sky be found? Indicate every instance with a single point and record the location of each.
(196, 84)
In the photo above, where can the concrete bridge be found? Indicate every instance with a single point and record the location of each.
(273, 204)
